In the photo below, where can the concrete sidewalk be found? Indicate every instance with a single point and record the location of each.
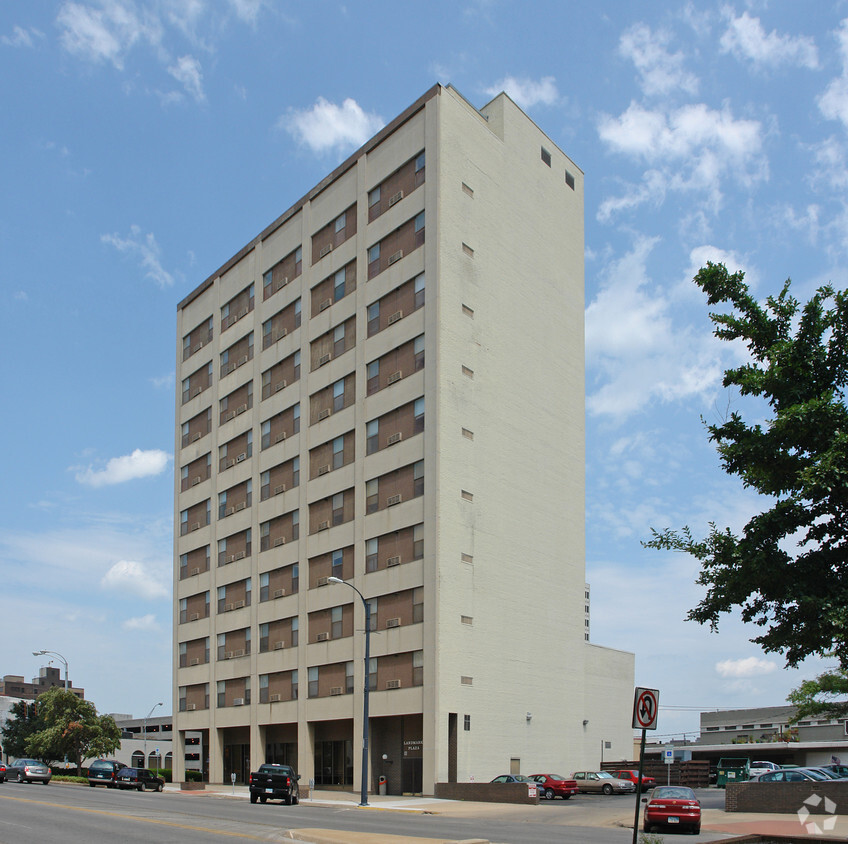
(618, 815)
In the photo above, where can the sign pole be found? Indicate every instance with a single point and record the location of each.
(639, 787)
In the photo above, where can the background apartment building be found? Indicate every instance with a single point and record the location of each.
(386, 386)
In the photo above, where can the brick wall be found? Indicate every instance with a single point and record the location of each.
(783, 797)
(485, 792)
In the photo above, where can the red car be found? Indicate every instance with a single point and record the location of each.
(554, 785)
(633, 775)
(672, 806)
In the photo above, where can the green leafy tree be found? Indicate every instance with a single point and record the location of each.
(71, 728)
(826, 695)
(25, 721)
(788, 569)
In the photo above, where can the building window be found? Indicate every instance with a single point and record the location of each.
(336, 623)
(467, 723)
(339, 285)
(418, 351)
(295, 630)
(371, 557)
(313, 681)
(338, 452)
(348, 678)
(546, 157)
(372, 497)
(372, 436)
(418, 668)
(372, 671)
(417, 604)
(417, 542)
(418, 478)
(374, 197)
(373, 318)
(419, 290)
(569, 179)
(418, 413)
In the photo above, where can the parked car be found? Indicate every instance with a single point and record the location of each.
(274, 781)
(672, 806)
(841, 770)
(791, 775)
(762, 766)
(632, 774)
(29, 770)
(602, 781)
(2, 772)
(139, 778)
(104, 772)
(554, 785)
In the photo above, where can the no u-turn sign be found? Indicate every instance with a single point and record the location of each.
(646, 702)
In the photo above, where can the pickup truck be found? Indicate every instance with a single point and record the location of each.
(274, 782)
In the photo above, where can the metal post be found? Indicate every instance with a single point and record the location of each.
(639, 787)
(363, 790)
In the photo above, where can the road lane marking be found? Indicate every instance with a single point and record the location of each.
(137, 818)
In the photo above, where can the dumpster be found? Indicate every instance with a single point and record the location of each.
(381, 785)
(732, 769)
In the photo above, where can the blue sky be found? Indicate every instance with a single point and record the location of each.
(144, 143)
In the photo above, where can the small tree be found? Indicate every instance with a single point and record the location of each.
(826, 695)
(16, 731)
(788, 570)
(71, 728)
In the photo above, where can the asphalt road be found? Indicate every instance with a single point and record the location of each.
(35, 813)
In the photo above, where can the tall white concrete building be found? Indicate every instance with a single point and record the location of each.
(386, 386)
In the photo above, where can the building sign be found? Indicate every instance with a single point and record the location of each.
(412, 747)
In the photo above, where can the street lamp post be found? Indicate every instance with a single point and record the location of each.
(363, 792)
(55, 653)
(145, 732)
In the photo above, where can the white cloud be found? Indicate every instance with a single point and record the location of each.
(20, 37)
(751, 666)
(247, 10)
(139, 464)
(163, 382)
(833, 103)
(127, 576)
(526, 92)
(107, 33)
(145, 622)
(635, 354)
(661, 71)
(745, 38)
(187, 71)
(146, 249)
(327, 126)
(687, 149)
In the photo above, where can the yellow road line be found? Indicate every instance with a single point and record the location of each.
(136, 818)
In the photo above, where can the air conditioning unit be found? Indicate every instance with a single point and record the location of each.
(278, 646)
(241, 313)
(393, 561)
(241, 408)
(196, 481)
(323, 525)
(280, 488)
(197, 391)
(194, 616)
(197, 436)
(394, 499)
(394, 438)
(395, 376)
(280, 437)
(228, 608)
(239, 555)
(396, 198)
(394, 317)
(323, 359)
(322, 470)
(239, 701)
(241, 457)
(238, 605)
(237, 654)
(325, 304)
(230, 559)
(325, 250)
(195, 526)
(230, 415)
(323, 637)
(228, 655)
(280, 540)
(322, 581)
(229, 511)
(282, 282)
(336, 690)
(279, 593)
(195, 661)
(281, 385)
(324, 413)
(195, 571)
(274, 698)
(392, 622)
(393, 684)
(228, 463)
(198, 347)
(190, 707)
(241, 505)
(396, 257)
